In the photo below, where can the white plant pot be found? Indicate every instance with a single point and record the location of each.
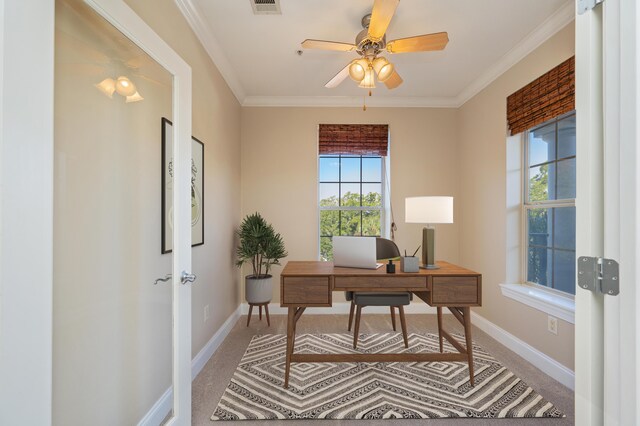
(258, 290)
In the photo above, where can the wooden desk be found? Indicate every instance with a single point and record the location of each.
(311, 284)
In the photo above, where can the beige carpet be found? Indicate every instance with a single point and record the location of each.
(211, 383)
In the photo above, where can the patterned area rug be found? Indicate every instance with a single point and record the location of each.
(372, 390)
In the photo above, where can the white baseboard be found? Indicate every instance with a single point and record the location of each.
(343, 308)
(199, 361)
(548, 365)
(163, 406)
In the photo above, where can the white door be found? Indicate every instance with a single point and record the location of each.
(121, 339)
(607, 326)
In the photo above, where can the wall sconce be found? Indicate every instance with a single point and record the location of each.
(122, 86)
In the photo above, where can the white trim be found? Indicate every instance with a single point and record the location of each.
(201, 359)
(343, 308)
(26, 211)
(162, 407)
(544, 300)
(350, 101)
(563, 16)
(194, 17)
(548, 365)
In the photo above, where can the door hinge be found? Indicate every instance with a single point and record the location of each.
(584, 5)
(599, 275)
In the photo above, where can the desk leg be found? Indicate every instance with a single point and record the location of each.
(467, 333)
(290, 337)
(439, 309)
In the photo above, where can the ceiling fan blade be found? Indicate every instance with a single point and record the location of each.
(383, 11)
(421, 43)
(394, 81)
(338, 78)
(328, 45)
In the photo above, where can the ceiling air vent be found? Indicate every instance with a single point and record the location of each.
(266, 7)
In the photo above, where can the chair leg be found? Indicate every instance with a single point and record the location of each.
(260, 310)
(249, 316)
(353, 306)
(356, 329)
(439, 309)
(266, 311)
(403, 324)
(393, 317)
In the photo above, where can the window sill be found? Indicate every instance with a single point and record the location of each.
(541, 299)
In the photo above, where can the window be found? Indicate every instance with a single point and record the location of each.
(549, 207)
(351, 197)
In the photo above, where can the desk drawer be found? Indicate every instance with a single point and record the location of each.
(374, 283)
(455, 291)
(301, 291)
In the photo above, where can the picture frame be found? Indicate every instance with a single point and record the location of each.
(197, 189)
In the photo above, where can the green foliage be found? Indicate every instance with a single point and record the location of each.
(348, 222)
(259, 244)
(539, 185)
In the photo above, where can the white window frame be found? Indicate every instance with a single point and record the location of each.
(531, 205)
(384, 225)
(546, 299)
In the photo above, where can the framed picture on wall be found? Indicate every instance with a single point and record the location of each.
(197, 189)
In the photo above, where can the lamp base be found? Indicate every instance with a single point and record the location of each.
(429, 267)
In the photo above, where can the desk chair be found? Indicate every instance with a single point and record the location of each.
(385, 249)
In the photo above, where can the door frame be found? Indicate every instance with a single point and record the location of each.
(607, 99)
(26, 204)
(26, 210)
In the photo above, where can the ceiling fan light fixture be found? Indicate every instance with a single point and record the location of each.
(369, 80)
(358, 69)
(125, 87)
(107, 86)
(383, 68)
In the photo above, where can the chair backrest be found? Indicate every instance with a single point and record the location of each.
(386, 249)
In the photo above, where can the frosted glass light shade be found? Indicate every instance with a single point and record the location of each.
(369, 80)
(383, 68)
(357, 69)
(428, 210)
(107, 86)
(134, 98)
(125, 87)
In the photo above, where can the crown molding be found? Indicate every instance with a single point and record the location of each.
(563, 16)
(349, 101)
(194, 18)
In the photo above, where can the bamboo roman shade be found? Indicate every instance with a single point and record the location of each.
(547, 97)
(353, 139)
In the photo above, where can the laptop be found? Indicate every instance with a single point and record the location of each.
(355, 252)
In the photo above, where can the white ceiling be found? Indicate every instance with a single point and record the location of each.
(257, 53)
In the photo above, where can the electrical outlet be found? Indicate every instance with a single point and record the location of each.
(552, 324)
(206, 313)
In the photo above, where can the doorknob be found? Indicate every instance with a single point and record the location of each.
(164, 280)
(187, 277)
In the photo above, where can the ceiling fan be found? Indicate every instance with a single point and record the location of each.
(370, 42)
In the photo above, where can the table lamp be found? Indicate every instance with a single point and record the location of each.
(428, 210)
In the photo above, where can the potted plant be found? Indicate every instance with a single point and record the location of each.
(260, 245)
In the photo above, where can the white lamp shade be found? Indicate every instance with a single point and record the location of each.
(428, 210)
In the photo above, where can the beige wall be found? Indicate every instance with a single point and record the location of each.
(216, 122)
(280, 176)
(483, 203)
(112, 327)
